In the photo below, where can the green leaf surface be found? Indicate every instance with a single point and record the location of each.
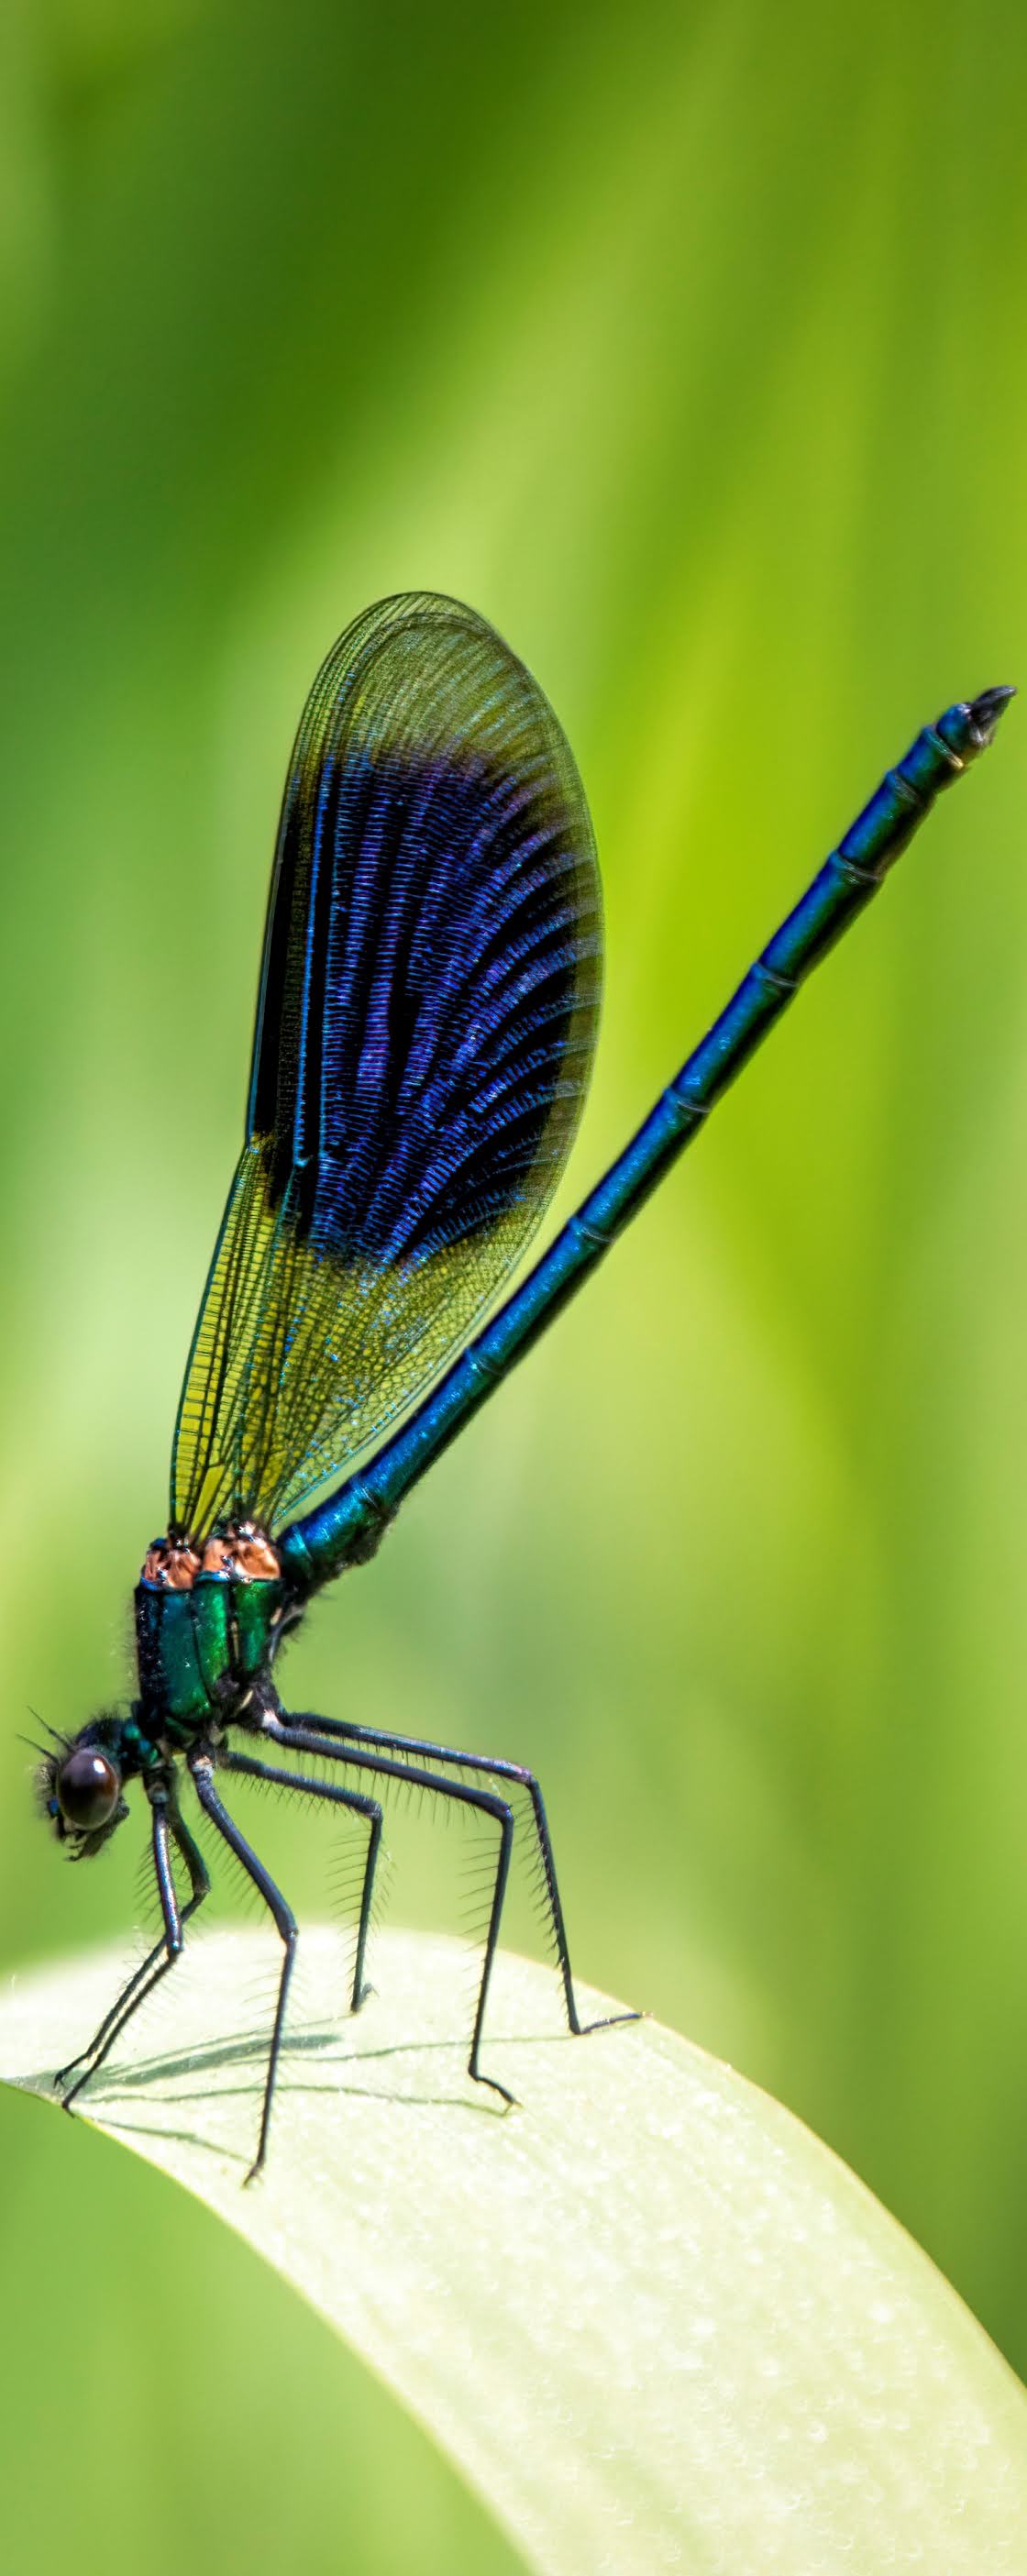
(656, 2323)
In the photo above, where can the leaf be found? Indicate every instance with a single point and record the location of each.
(656, 2323)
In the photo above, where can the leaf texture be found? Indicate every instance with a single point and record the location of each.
(654, 2321)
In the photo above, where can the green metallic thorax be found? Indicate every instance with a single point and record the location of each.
(201, 1650)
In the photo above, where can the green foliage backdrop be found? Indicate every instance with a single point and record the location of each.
(688, 342)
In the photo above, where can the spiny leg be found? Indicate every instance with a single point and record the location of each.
(351, 1798)
(200, 1885)
(497, 1770)
(284, 1920)
(299, 1738)
(165, 1821)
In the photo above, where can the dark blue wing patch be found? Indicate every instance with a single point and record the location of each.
(425, 1029)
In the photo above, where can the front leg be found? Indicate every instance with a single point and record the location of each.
(165, 1822)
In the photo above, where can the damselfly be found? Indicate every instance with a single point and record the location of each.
(426, 1020)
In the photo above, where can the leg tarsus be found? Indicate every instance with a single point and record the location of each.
(606, 2021)
(508, 2099)
(97, 2056)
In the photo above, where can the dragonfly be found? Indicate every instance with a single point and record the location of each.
(426, 1022)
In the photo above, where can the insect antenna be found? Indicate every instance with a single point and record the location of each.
(64, 1741)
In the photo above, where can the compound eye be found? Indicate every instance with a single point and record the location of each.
(88, 1788)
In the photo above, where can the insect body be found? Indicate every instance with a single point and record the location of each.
(425, 1027)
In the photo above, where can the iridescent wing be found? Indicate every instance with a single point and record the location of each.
(426, 1021)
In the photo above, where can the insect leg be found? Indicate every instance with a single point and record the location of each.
(165, 1821)
(515, 1772)
(199, 1882)
(351, 1798)
(285, 1924)
(299, 1736)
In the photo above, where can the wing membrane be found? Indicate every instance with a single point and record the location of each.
(425, 1028)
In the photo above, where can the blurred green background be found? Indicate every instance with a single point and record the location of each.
(689, 344)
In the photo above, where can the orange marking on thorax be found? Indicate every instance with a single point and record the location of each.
(242, 1551)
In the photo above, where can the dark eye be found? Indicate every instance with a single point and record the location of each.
(88, 1787)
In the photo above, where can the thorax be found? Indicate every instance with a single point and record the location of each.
(206, 1630)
